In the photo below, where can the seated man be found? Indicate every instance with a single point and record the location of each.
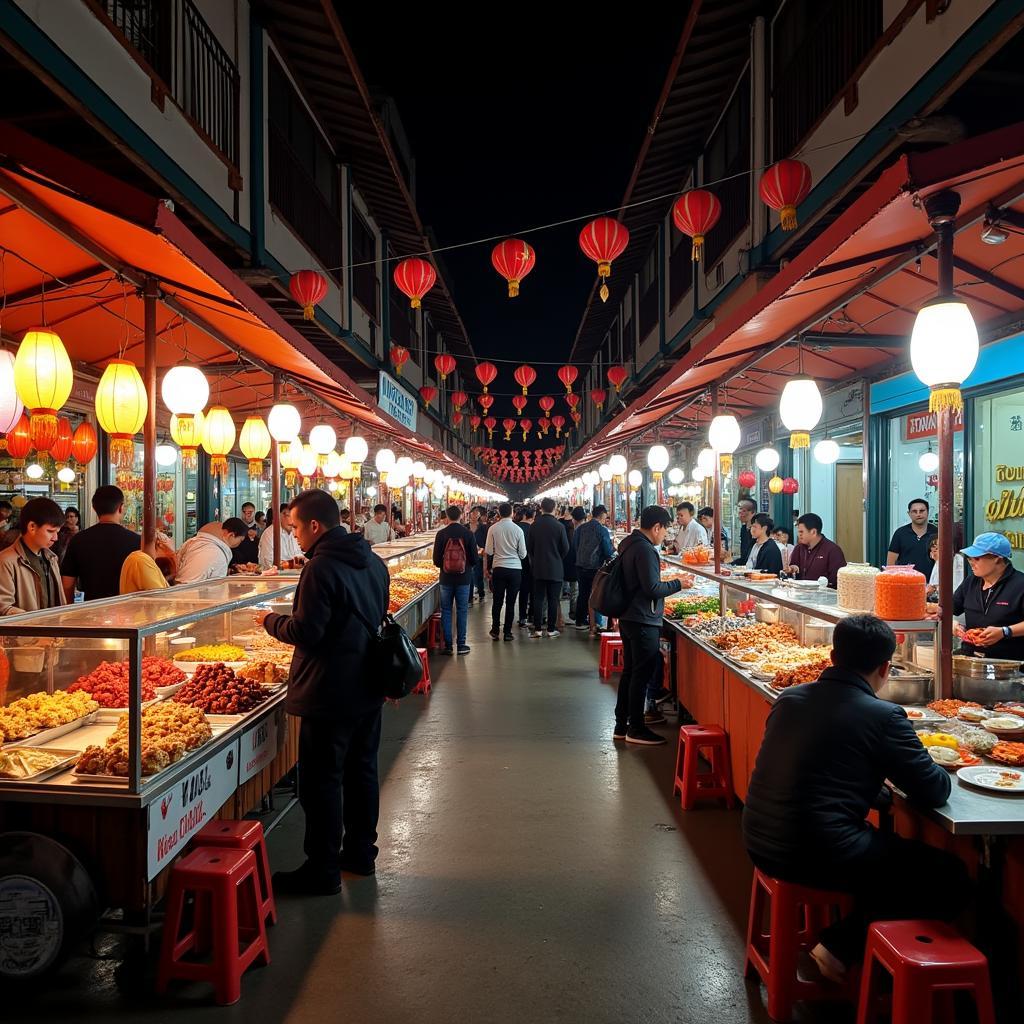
(828, 748)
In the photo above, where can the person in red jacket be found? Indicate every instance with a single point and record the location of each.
(814, 555)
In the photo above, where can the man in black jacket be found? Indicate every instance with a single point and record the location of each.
(640, 623)
(343, 584)
(455, 547)
(827, 750)
(547, 546)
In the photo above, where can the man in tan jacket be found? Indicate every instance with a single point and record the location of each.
(29, 570)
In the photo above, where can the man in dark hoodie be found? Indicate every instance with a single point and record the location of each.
(328, 689)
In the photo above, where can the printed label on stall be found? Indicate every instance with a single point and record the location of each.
(259, 746)
(183, 809)
(919, 425)
(31, 926)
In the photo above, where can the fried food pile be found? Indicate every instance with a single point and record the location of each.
(39, 711)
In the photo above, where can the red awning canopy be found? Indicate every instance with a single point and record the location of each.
(858, 286)
(75, 259)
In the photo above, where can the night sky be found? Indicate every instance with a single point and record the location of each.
(535, 122)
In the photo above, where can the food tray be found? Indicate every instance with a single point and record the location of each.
(922, 714)
(189, 667)
(48, 735)
(69, 757)
(163, 692)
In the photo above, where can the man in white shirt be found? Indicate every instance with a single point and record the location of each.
(378, 529)
(689, 532)
(208, 554)
(290, 549)
(504, 551)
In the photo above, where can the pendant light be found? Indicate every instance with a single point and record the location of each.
(284, 422)
(800, 410)
(657, 460)
(254, 443)
(218, 439)
(826, 452)
(291, 452)
(121, 406)
(11, 405)
(724, 437)
(767, 460)
(357, 450)
(929, 461)
(187, 434)
(943, 350)
(43, 379)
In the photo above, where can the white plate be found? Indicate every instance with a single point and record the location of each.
(987, 777)
(764, 677)
(1018, 725)
(168, 691)
(920, 714)
(806, 584)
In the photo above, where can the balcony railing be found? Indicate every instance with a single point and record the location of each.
(680, 273)
(734, 195)
(649, 309)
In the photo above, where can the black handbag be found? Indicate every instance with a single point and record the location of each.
(608, 594)
(392, 661)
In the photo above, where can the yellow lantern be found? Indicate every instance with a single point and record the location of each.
(290, 454)
(121, 406)
(218, 439)
(775, 485)
(187, 434)
(254, 441)
(43, 378)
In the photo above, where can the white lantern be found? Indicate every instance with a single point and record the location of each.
(332, 467)
(657, 460)
(284, 423)
(699, 473)
(308, 461)
(706, 460)
(384, 460)
(767, 460)
(66, 475)
(34, 471)
(419, 469)
(166, 455)
(322, 439)
(929, 462)
(403, 467)
(675, 475)
(636, 478)
(724, 434)
(11, 406)
(826, 452)
(185, 390)
(800, 410)
(944, 350)
(618, 465)
(357, 450)
(370, 490)
(604, 472)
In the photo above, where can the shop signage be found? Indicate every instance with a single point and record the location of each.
(845, 404)
(1009, 504)
(396, 401)
(919, 425)
(183, 809)
(259, 746)
(752, 436)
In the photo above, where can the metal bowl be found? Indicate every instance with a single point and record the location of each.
(907, 689)
(987, 690)
(985, 668)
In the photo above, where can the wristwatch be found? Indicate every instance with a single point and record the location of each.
(1007, 632)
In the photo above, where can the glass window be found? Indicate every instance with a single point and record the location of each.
(998, 477)
(835, 491)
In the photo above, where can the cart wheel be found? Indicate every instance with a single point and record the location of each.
(47, 903)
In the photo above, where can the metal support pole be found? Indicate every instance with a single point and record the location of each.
(275, 481)
(716, 495)
(150, 293)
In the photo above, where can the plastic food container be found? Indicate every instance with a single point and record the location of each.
(855, 586)
(900, 593)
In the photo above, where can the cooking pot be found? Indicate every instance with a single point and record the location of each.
(987, 680)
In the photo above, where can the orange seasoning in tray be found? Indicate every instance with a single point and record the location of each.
(900, 593)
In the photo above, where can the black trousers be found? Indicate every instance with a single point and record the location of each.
(640, 656)
(339, 790)
(895, 879)
(505, 585)
(583, 597)
(549, 591)
(525, 592)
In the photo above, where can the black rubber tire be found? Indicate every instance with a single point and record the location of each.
(47, 904)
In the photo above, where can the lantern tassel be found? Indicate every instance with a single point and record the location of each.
(697, 249)
(946, 397)
(799, 440)
(307, 311)
(189, 458)
(255, 469)
(219, 466)
(290, 478)
(725, 464)
(122, 451)
(787, 218)
(513, 288)
(415, 302)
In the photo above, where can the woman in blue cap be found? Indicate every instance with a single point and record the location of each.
(992, 599)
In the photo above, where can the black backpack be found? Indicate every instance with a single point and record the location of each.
(608, 594)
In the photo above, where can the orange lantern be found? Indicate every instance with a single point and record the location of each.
(525, 376)
(399, 356)
(598, 396)
(60, 451)
(218, 439)
(308, 287)
(19, 441)
(187, 434)
(84, 443)
(254, 442)
(617, 376)
(604, 240)
(415, 277)
(444, 363)
(513, 259)
(43, 378)
(485, 373)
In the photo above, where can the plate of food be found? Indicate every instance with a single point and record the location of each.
(922, 714)
(999, 780)
(30, 764)
(951, 758)
(1003, 724)
(1008, 753)
(975, 715)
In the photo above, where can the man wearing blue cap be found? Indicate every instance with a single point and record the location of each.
(992, 599)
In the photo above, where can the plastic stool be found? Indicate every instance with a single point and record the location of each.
(434, 633)
(423, 686)
(244, 835)
(227, 914)
(612, 657)
(924, 958)
(693, 784)
(796, 915)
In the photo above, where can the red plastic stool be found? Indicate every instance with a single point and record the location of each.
(434, 633)
(228, 914)
(796, 915)
(244, 835)
(612, 655)
(423, 686)
(693, 784)
(924, 959)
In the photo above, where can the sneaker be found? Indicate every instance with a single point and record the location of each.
(508, 638)
(667, 699)
(493, 634)
(447, 650)
(553, 633)
(307, 881)
(582, 625)
(535, 634)
(357, 867)
(463, 649)
(619, 733)
(644, 737)
(523, 624)
(654, 718)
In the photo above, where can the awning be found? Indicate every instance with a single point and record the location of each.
(76, 257)
(852, 294)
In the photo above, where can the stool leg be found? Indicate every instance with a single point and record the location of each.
(689, 776)
(753, 925)
(867, 980)
(266, 886)
(227, 981)
(781, 959)
(172, 925)
(983, 1000)
(677, 783)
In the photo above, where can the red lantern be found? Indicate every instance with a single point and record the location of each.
(525, 376)
(790, 486)
(576, 417)
(546, 404)
(427, 393)
(509, 424)
(444, 363)
(617, 376)
(415, 277)
(485, 373)
(308, 287)
(459, 399)
(545, 425)
(572, 401)
(598, 396)
(19, 441)
(457, 418)
(490, 423)
(783, 187)
(513, 259)
(519, 403)
(61, 448)
(695, 213)
(567, 375)
(485, 401)
(44, 433)
(558, 422)
(399, 356)
(746, 479)
(604, 240)
(526, 426)
(84, 443)
(474, 422)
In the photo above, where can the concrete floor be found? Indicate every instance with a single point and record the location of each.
(530, 870)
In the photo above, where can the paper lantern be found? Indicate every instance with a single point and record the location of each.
(547, 403)
(185, 390)
(485, 401)
(254, 441)
(485, 373)
(459, 399)
(218, 438)
(525, 376)
(509, 425)
(598, 396)
(567, 375)
(60, 451)
(783, 187)
(309, 463)
(572, 401)
(43, 379)
(187, 434)
(746, 479)
(414, 278)
(356, 451)
(603, 240)
(790, 486)
(513, 259)
(558, 422)
(657, 460)
(121, 406)
(519, 403)
(545, 425)
(490, 423)
(800, 410)
(11, 405)
(19, 441)
(474, 422)
(526, 426)
(166, 455)
(695, 213)
(290, 455)
(943, 351)
(618, 466)
(767, 460)
(457, 418)
(322, 439)
(636, 478)
(444, 363)
(826, 452)
(284, 422)
(308, 288)
(775, 485)
(427, 393)
(929, 462)
(84, 443)
(617, 376)
(399, 357)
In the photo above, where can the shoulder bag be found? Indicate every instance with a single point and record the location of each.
(608, 594)
(392, 661)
